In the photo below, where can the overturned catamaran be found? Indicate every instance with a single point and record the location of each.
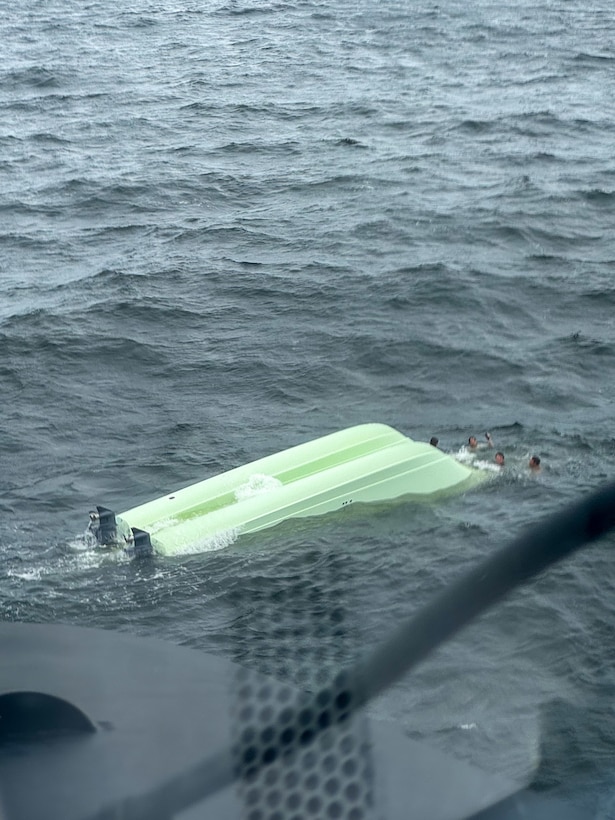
(366, 463)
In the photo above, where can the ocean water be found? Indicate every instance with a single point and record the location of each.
(232, 227)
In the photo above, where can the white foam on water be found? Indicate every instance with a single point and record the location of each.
(26, 574)
(488, 465)
(465, 455)
(82, 543)
(212, 543)
(257, 484)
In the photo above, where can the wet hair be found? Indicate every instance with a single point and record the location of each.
(433, 441)
(535, 460)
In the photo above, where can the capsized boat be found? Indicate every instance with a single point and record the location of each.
(365, 463)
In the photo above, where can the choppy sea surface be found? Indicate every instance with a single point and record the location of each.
(228, 228)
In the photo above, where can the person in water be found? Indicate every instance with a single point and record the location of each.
(474, 445)
(499, 459)
(434, 441)
(534, 464)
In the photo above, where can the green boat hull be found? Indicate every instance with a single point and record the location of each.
(362, 464)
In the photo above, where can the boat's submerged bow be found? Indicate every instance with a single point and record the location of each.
(366, 463)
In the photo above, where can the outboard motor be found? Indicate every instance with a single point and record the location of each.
(106, 533)
(103, 526)
(112, 531)
(141, 544)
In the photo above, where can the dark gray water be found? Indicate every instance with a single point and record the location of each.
(229, 228)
